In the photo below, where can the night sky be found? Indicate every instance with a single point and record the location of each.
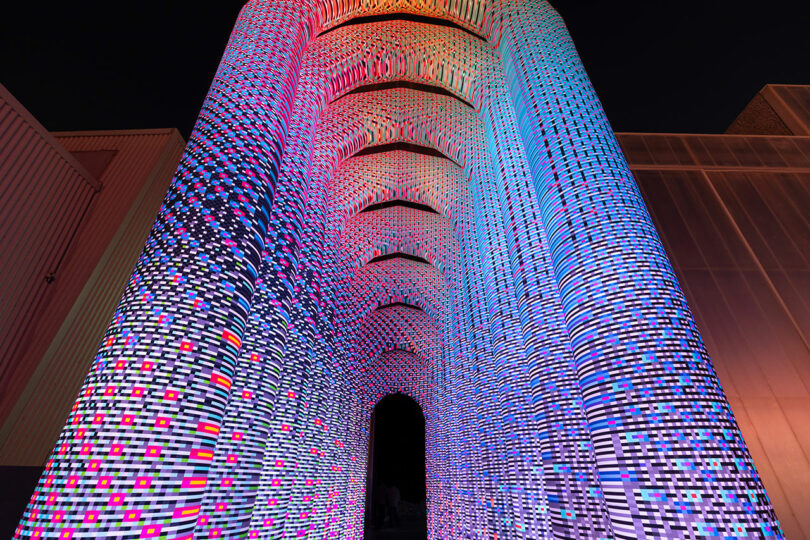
(658, 65)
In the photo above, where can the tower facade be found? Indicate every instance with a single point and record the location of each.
(414, 197)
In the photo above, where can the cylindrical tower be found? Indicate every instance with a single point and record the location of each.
(401, 197)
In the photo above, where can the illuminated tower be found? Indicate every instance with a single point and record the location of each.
(415, 197)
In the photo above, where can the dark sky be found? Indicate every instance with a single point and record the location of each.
(658, 65)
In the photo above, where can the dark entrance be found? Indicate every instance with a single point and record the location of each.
(396, 471)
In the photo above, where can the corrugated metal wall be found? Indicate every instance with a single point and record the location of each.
(90, 283)
(732, 212)
(44, 193)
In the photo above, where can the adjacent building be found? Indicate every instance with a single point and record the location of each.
(78, 207)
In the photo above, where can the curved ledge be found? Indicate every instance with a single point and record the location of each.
(421, 87)
(404, 17)
(398, 255)
(402, 146)
(398, 202)
(399, 304)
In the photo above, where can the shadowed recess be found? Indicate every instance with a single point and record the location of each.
(424, 19)
(397, 458)
(398, 202)
(405, 84)
(399, 304)
(402, 146)
(398, 255)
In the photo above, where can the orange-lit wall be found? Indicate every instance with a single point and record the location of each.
(79, 206)
(44, 193)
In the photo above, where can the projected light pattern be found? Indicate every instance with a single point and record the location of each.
(532, 314)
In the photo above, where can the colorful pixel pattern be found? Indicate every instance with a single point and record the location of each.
(533, 315)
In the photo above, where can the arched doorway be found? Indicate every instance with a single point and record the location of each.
(395, 507)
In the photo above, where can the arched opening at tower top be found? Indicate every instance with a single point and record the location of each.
(396, 471)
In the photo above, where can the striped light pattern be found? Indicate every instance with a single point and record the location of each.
(532, 313)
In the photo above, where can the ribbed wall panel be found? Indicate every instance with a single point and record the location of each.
(44, 192)
(727, 152)
(792, 104)
(90, 283)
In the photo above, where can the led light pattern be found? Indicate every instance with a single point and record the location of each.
(534, 316)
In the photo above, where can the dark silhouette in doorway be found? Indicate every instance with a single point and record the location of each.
(396, 502)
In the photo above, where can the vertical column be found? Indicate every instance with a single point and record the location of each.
(319, 497)
(278, 477)
(670, 457)
(506, 383)
(472, 477)
(133, 459)
(479, 406)
(302, 518)
(565, 454)
(236, 467)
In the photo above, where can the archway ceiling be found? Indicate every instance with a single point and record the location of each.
(397, 372)
(365, 180)
(443, 57)
(398, 328)
(401, 51)
(400, 229)
(391, 281)
(359, 121)
(474, 15)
